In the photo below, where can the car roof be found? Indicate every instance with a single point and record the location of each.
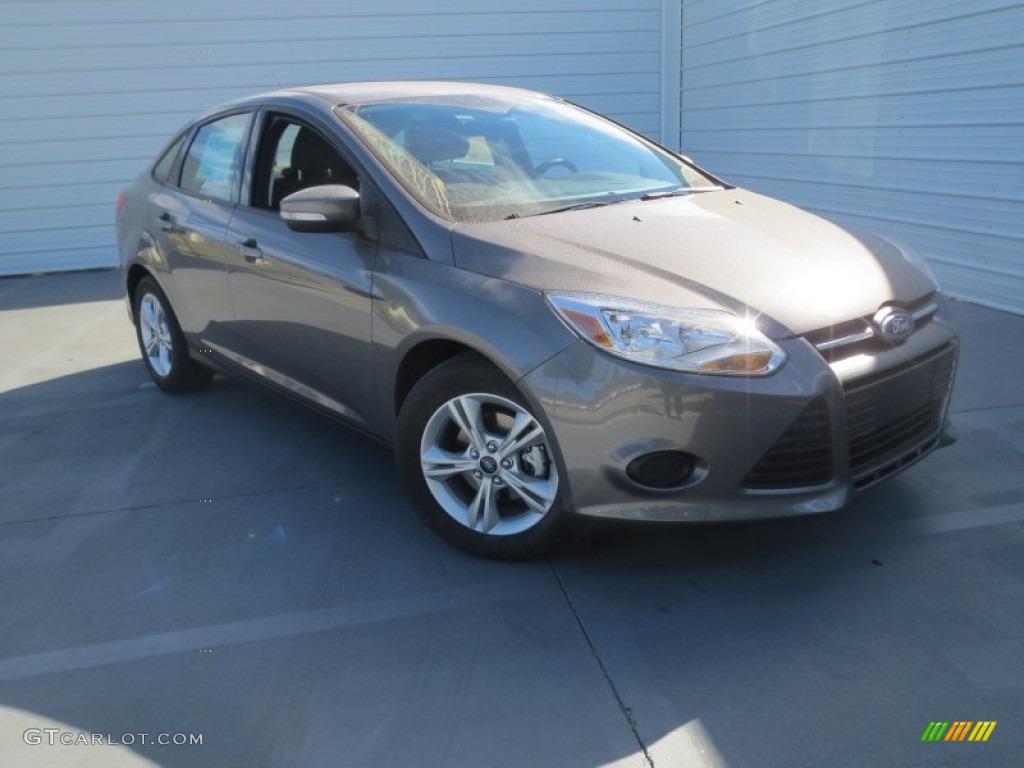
(357, 93)
(354, 93)
(336, 94)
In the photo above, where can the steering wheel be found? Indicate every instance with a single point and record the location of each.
(547, 165)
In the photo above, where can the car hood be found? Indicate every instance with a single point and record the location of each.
(730, 248)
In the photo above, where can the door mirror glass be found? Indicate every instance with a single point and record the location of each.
(325, 208)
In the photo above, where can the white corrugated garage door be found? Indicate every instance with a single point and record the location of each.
(901, 116)
(91, 89)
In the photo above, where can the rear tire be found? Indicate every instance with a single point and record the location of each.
(479, 467)
(162, 344)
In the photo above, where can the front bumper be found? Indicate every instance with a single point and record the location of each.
(605, 412)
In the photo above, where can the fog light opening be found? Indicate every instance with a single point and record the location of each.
(661, 469)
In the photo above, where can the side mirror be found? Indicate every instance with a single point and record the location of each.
(326, 208)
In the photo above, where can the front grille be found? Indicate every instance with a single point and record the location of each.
(890, 414)
(859, 336)
(801, 457)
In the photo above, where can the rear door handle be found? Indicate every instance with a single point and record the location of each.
(165, 221)
(251, 250)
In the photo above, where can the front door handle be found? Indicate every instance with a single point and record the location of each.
(165, 221)
(251, 250)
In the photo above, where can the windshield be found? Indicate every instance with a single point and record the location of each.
(483, 158)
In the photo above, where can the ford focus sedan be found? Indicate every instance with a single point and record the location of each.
(548, 316)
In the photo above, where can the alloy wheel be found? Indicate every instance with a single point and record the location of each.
(488, 462)
(156, 334)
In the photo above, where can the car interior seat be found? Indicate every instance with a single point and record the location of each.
(314, 162)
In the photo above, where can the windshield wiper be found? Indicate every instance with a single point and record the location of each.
(573, 207)
(600, 203)
(678, 192)
(578, 206)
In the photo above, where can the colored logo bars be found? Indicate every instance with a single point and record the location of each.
(959, 730)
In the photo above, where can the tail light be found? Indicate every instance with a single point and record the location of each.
(122, 198)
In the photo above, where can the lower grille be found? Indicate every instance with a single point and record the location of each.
(801, 457)
(893, 419)
(891, 414)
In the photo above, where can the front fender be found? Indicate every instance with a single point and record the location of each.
(417, 301)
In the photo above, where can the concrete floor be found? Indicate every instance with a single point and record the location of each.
(233, 565)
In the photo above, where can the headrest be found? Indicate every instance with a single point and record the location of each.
(436, 138)
(312, 153)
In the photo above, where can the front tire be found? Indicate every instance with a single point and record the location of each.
(163, 346)
(478, 466)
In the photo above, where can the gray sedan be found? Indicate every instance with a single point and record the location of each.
(549, 316)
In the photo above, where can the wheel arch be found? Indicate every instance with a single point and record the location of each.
(423, 355)
(135, 274)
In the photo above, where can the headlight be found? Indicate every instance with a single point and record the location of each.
(691, 340)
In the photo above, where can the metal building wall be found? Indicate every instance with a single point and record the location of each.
(91, 89)
(905, 117)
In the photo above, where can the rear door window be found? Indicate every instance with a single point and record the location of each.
(213, 164)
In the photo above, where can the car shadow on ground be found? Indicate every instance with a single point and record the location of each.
(38, 290)
(134, 518)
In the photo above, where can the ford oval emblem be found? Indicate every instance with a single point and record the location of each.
(894, 324)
